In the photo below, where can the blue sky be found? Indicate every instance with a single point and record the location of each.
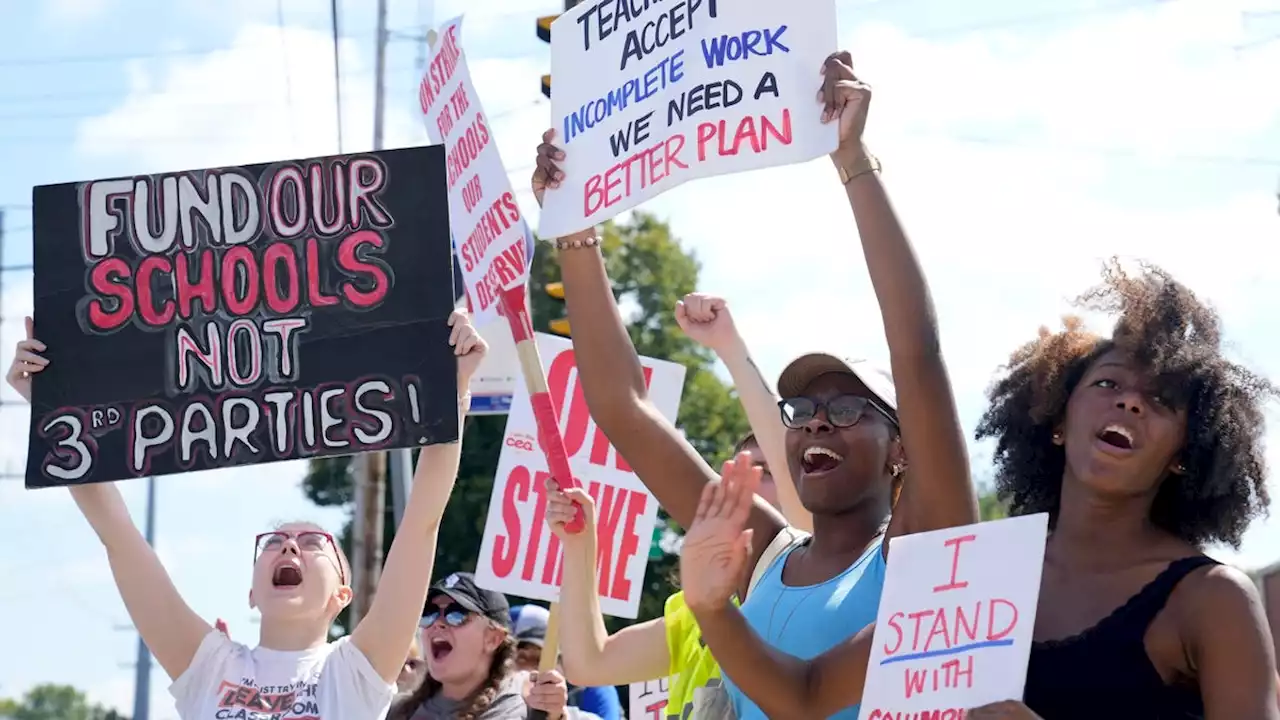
(1023, 142)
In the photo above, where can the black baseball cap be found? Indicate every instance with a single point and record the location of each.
(462, 589)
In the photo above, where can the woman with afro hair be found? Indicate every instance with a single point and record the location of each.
(1143, 448)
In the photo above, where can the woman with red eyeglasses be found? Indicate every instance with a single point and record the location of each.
(300, 584)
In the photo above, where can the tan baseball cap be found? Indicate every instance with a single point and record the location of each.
(797, 375)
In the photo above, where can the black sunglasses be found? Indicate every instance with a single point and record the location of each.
(842, 410)
(454, 616)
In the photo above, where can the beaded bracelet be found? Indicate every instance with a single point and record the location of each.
(575, 242)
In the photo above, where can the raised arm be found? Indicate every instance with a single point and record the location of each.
(591, 656)
(940, 491)
(170, 628)
(713, 556)
(613, 380)
(707, 320)
(386, 633)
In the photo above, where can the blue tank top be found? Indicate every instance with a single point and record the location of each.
(809, 620)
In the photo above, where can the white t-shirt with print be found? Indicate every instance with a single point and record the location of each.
(230, 681)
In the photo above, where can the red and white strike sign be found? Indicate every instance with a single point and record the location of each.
(519, 555)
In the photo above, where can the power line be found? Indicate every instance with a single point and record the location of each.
(109, 57)
(73, 95)
(183, 139)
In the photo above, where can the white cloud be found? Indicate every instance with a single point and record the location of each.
(74, 11)
(270, 96)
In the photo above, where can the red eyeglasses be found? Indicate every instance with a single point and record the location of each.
(308, 541)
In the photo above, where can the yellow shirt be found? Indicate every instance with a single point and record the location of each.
(692, 666)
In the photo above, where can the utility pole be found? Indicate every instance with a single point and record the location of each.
(371, 467)
(142, 678)
(380, 73)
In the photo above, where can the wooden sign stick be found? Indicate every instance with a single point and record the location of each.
(515, 306)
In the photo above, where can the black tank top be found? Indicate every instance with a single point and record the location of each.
(1104, 672)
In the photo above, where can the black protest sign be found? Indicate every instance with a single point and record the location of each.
(215, 318)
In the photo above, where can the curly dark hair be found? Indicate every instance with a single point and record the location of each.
(502, 666)
(1177, 339)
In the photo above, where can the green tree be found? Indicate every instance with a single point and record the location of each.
(650, 272)
(56, 702)
(990, 507)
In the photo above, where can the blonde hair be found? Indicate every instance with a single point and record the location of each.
(415, 648)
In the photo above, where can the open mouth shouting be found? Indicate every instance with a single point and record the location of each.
(1116, 439)
(818, 460)
(440, 649)
(287, 574)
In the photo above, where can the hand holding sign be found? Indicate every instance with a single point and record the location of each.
(561, 511)
(27, 361)
(467, 345)
(547, 691)
(706, 319)
(546, 174)
(716, 547)
(846, 97)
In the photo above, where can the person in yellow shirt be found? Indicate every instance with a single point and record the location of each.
(670, 646)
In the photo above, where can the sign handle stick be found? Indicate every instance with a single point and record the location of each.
(515, 307)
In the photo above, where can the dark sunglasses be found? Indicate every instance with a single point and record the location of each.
(842, 410)
(454, 616)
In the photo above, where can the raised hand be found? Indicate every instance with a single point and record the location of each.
(546, 173)
(27, 361)
(468, 346)
(718, 544)
(547, 691)
(560, 511)
(845, 97)
(706, 319)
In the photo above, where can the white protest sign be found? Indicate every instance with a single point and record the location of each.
(488, 229)
(649, 96)
(519, 555)
(649, 699)
(955, 621)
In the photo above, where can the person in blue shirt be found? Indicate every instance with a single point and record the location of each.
(851, 432)
(529, 624)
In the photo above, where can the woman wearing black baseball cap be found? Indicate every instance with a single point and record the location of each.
(470, 653)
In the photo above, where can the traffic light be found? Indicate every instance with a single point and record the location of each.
(544, 34)
(559, 326)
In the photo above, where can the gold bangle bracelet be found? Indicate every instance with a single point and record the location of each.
(864, 166)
